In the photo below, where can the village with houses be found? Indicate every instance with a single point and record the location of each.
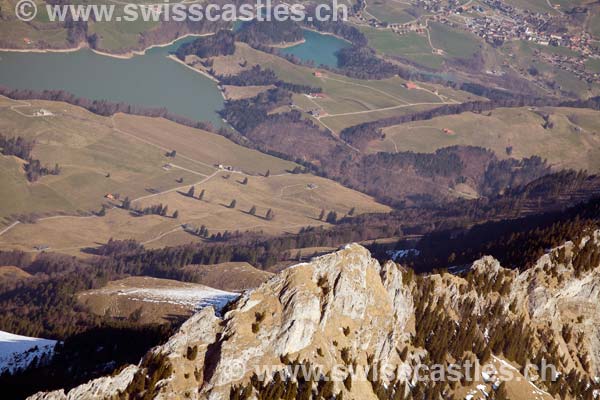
(498, 22)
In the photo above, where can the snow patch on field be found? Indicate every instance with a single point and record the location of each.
(186, 296)
(17, 352)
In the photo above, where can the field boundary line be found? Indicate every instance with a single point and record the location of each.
(368, 87)
(158, 146)
(384, 109)
(8, 228)
(177, 188)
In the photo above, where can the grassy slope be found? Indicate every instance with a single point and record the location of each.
(393, 11)
(114, 36)
(231, 276)
(87, 147)
(522, 55)
(454, 42)
(594, 24)
(295, 205)
(533, 5)
(343, 95)
(412, 46)
(563, 145)
(160, 300)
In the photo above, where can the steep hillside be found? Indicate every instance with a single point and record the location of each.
(361, 330)
(19, 352)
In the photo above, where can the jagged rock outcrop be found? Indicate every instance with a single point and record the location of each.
(346, 309)
(101, 388)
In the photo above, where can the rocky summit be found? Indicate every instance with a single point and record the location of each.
(345, 312)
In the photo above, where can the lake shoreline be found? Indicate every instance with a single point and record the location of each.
(123, 56)
(203, 73)
(326, 33)
(206, 74)
(288, 44)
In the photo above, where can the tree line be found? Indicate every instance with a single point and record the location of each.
(22, 148)
(103, 107)
(257, 76)
(293, 137)
(45, 305)
(221, 43)
(360, 135)
(516, 243)
(269, 32)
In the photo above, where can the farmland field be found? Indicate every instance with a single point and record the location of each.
(344, 101)
(541, 6)
(410, 46)
(338, 123)
(524, 55)
(594, 24)
(126, 155)
(114, 36)
(454, 42)
(99, 155)
(296, 201)
(393, 11)
(571, 141)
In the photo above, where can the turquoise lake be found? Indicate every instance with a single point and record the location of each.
(318, 48)
(150, 80)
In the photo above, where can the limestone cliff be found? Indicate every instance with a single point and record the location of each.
(346, 309)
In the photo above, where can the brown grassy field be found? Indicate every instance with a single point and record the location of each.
(296, 201)
(243, 92)
(573, 140)
(345, 101)
(153, 300)
(100, 155)
(231, 277)
(126, 154)
(12, 274)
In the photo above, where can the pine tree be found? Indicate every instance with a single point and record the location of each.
(245, 181)
(201, 197)
(332, 217)
(126, 203)
(175, 214)
(269, 215)
(268, 173)
(252, 211)
(232, 204)
(190, 192)
(501, 393)
(348, 382)
(322, 215)
(351, 212)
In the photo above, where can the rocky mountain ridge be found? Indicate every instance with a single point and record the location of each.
(345, 309)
